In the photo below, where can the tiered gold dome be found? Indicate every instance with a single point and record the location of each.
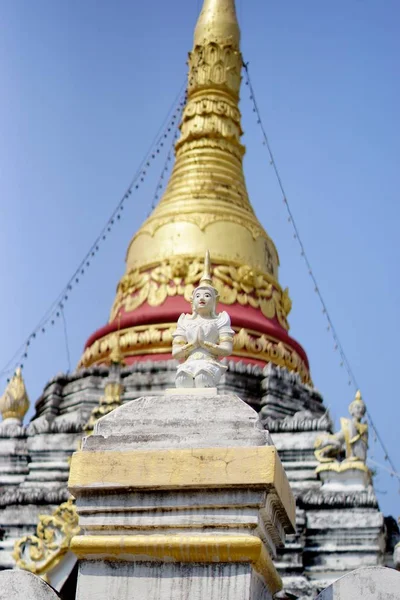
(205, 206)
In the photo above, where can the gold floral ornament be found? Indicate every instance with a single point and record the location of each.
(249, 287)
(253, 345)
(179, 276)
(42, 552)
(14, 403)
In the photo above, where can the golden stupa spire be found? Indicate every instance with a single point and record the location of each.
(206, 204)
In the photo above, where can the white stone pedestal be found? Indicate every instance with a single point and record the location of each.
(345, 479)
(180, 497)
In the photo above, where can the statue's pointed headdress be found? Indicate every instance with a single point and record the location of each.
(206, 278)
(358, 400)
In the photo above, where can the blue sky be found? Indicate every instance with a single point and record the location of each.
(85, 87)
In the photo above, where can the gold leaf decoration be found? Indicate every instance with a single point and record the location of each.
(41, 552)
(178, 276)
(157, 339)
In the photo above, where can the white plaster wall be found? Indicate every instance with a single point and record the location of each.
(168, 581)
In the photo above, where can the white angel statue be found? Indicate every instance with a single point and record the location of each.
(202, 338)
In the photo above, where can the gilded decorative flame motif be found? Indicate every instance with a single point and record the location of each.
(179, 276)
(14, 403)
(251, 344)
(42, 552)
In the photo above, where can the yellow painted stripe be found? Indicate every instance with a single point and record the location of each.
(186, 549)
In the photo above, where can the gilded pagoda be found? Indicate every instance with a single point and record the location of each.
(205, 206)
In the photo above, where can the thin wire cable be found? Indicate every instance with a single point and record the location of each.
(168, 159)
(159, 185)
(158, 141)
(338, 345)
(392, 473)
(66, 339)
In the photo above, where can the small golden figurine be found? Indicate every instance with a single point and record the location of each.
(351, 442)
(343, 455)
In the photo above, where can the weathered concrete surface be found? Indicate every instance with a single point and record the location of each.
(13, 459)
(145, 581)
(21, 585)
(179, 421)
(371, 583)
(342, 540)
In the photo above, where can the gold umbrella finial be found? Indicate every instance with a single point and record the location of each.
(217, 21)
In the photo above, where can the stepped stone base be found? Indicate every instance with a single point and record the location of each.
(180, 496)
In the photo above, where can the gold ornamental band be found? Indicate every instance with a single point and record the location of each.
(184, 549)
(157, 339)
(189, 468)
(179, 277)
(357, 465)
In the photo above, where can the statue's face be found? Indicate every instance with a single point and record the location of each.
(203, 301)
(357, 410)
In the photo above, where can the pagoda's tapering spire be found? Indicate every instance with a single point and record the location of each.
(217, 21)
(215, 65)
(207, 187)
